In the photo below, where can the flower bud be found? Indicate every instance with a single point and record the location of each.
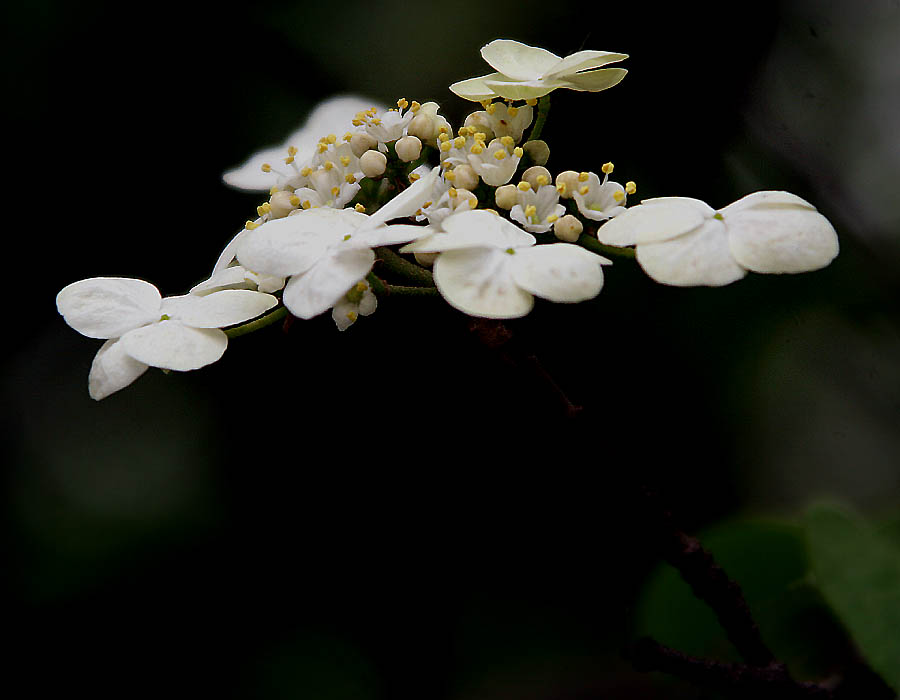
(372, 163)
(568, 228)
(361, 142)
(425, 259)
(506, 196)
(408, 148)
(465, 177)
(281, 205)
(463, 200)
(537, 175)
(480, 121)
(567, 184)
(538, 151)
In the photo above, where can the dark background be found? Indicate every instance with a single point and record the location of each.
(396, 511)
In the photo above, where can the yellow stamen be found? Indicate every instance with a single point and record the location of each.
(307, 204)
(583, 176)
(517, 152)
(328, 165)
(512, 111)
(618, 195)
(345, 161)
(294, 200)
(266, 168)
(459, 141)
(402, 103)
(585, 189)
(306, 171)
(499, 155)
(630, 187)
(292, 150)
(552, 219)
(508, 141)
(360, 208)
(250, 225)
(524, 185)
(607, 168)
(350, 177)
(530, 211)
(413, 177)
(542, 180)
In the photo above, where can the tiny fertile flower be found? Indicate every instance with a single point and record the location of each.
(526, 72)
(536, 209)
(144, 330)
(359, 301)
(685, 242)
(491, 268)
(598, 199)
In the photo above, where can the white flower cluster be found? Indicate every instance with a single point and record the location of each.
(476, 206)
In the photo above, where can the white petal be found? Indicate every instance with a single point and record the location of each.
(560, 272)
(771, 198)
(778, 240)
(518, 61)
(408, 202)
(368, 304)
(655, 220)
(475, 89)
(108, 307)
(286, 247)
(219, 309)
(112, 370)
(593, 81)
(172, 345)
(479, 282)
(700, 257)
(226, 257)
(343, 314)
(474, 229)
(581, 61)
(386, 235)
(521, 89)
(321, 287)
(234, 277)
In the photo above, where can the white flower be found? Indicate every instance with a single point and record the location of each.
(491, 268)
(144, 330)
(537, 209)
(326, 251)
(496, 163)
(599, 200)
(526, 72)
(685, 242)
(359, 301)
(503, 120)
(333, 115)
(238, 277)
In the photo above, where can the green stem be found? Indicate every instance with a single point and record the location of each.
(261, 322)
(543, 111)
(400, 266)
(588, 241)
(405, 291)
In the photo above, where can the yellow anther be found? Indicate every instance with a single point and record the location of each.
(427, 204)
(542, 180)
(360, 208)
(345, 161)
(328, 165)
(361, 286)
(518, 152)
(266, 168)
(306, 204)
(452, 192)
(480, 136)
(513, 111)
(459, 141)
(263, 209)
(335, 191)
(322, 147)
(442, 130)
(618, 195)
(552, 219)
(583, 176)
(524, 186)
(376, 121)
(630, 187)
(415, 106)
(347, 237)
(292, 150)
(444, 137)
(485, 103)
(413, 177)
(450, 175)
(250, 225)
(331, 138)
(357, 122)
(499, 155)
(531, 102)
(491, 108)
(348, 136)
(273, 189)
(477, 148)
(530, 211)
(584, 189)
(402, 103)
(446, 146)
(306, 171)
(294, 200)
(350, 177)
(351, 316)
(508, 141)
(561, 188)
(607, 168)
(289, 160)
(372, 110)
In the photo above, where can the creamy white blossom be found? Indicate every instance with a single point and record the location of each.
(598, 199)
(491, 268)
(526, 72)
(685, 242)
(536, 209)
(359, 301)
(143, 329)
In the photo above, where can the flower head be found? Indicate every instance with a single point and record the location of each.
(526, 72)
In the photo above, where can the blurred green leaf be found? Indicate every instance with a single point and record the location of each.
(858, 572)
(768, 559)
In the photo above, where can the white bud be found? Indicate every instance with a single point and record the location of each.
(361, 142)
(372, 163)
(463, 200)
(538, 151)
(567, 184)
(506, 196)
(480, 121)
(422, 127)
(465, 177)
(408, 148)
(426, 259)
(280, 204)
(568, 228)
(537, 171)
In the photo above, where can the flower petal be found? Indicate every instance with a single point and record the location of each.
(319, 288)
(473, 229)
(518, 61)
(770, 198)
(560, 272)
(593, 81)
(408, 202)
(700, 257)
(219, 309)
(112, 369)
(475, 89)
(108, 307)
(581, 61)
(655, 220)
(781, 239)
(172, 345)
(479, 282)
(521, 89)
